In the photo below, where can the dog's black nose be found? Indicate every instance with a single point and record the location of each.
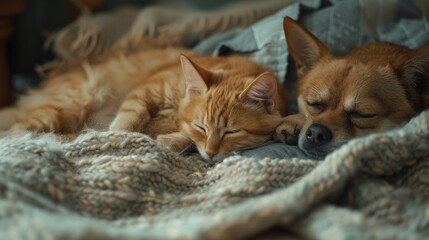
(318, 134)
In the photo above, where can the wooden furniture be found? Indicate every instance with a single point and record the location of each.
(8, 10)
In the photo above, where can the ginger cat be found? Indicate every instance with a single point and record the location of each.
(220, 105)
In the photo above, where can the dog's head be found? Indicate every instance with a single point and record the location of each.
(375, 87)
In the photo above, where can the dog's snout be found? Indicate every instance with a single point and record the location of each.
(318, 134)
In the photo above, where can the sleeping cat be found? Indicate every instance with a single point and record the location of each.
(219, 105)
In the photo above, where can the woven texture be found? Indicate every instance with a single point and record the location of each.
(124, 186)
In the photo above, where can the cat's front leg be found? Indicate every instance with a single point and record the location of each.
(131, 117)
(288, 131)
(177, 141)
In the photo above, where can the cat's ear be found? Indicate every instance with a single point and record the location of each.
(263, 88)
(197, 77)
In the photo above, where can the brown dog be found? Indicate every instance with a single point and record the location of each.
(373, 88)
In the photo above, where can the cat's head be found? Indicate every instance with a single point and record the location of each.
(223, 112)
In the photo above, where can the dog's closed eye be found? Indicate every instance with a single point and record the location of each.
(360, 115)
(315, 105)
(362, 120)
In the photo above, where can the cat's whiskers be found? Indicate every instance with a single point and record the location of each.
(186, 149)
(190, 145)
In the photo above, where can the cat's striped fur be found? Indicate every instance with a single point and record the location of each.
(219, 104)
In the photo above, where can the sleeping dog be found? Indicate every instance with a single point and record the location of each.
(373, 88)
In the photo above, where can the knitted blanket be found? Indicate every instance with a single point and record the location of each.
(107, 185)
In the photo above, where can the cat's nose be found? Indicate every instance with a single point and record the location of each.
(211, 154)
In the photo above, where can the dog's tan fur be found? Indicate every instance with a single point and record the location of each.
(373, 88)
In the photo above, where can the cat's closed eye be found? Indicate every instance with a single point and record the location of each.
(200, 128)
(231, 131)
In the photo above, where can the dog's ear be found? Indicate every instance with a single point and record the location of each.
(414, 76)
(305, 48)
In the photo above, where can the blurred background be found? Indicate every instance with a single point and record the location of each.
(26, 24)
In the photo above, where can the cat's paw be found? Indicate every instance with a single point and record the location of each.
(288, 131)
(128, 122)
(16, 132)
(118, 126)
(8, 116)
(19, 129)
(176, 141)
(35, 125)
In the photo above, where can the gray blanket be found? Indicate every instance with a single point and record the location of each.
(124, 186)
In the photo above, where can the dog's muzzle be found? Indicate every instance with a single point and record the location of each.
(317, 140)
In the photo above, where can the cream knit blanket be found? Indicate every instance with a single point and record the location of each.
(108, 185)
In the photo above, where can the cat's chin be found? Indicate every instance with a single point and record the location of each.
(215, 158)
